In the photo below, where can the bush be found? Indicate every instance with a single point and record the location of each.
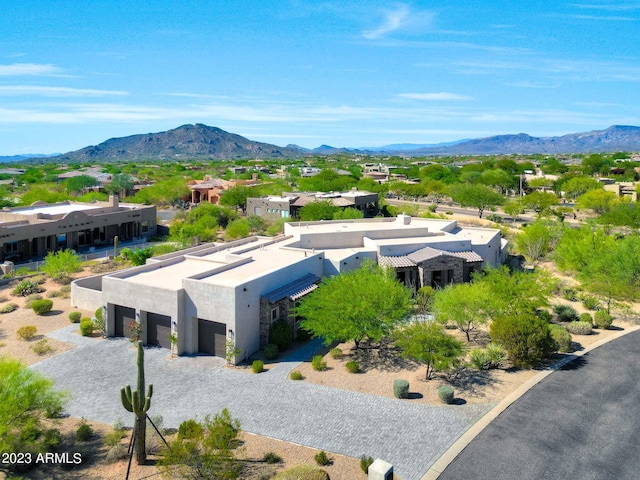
(98, 313)
(586, 317)
(280, 334)
(566, 313)
(497, 354)
(322, 458)
(445, 394)
(526, 338)
(579, 328)
(26, 288)
(335, 353)
(84, 432)
(352, 366)
(116, 453)
(113, 438)
(52, 438)
(400, 388)
(561, 337)
(271, 457)
(307, 472)
(544, 315)
(296, 375)
(32, 298)
(602, 319)
(479, 358)
(8, 308)
(40, 307)
(271, 351)
(42, 347)
(61, 264)
(318, 364)
(365, 463)
(27, 332)
(190, 430)
(590, 303)
(257, 366)
(86, 327)
(569, 294)
(74, 317)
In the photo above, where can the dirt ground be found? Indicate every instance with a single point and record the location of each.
(379, 367)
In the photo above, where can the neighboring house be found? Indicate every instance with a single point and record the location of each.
(32, 232)
(629, 190)
(210, 189)
(103, 179)
(289, 204)
(212, 293)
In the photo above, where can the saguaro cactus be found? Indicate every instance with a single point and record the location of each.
(137, 403)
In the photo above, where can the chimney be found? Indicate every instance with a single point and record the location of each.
(404, 219)
(114, 201)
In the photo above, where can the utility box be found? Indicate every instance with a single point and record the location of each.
(380, 470)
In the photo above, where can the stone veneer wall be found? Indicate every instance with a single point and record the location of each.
(266, 306)
(445, 263)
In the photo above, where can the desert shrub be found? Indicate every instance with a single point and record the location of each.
(352, 366)
(586, 317)
(113, 438)
(497, 354)
(494, 217)
(569, 294)
(579, 328)
(365, 463)
(296, 375)
(86, 327)
(271, 351)
(8, 308)
(189, 430)
(116, 453)
(61, 264)
(561, 337)
(322, 458)
(602, 319)
(280, 334)
(84, 432)
(52, 438)
(39, 279)
(32, 298)
(479, 359)
(526, 338)
(544, 315)
(566, 313)
(590, 303)
(257, 366)
(400, 388)
(42, 347)
(335, 353)
(318, 364)
(27, 332)
(26, 288)
(40, 307)
(308, 472)
(445, 394)
(271, 457)
(55, 294)
(98, 313)
(3, 298)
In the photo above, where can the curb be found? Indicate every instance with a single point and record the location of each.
(454, 450)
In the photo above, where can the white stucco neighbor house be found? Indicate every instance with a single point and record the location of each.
(212, 293)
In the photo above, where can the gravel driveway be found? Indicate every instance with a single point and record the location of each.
(409, 436)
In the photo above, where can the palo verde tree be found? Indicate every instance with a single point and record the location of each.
(476, 196)
(136, 402)
(363, 304)
(461, 304)
(61, 264)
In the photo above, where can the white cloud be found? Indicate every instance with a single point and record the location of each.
(393, 20)
(20, 90)
(30, 69)
(434, 96)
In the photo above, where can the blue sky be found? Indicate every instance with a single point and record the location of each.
(342, 73)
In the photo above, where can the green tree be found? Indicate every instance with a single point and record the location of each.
(348, 214)
(120, 184)
(599, 201)
(366, 303)
(49, 193)
(236, 197)
(622, 214)
(429, 344)
(238, 228)
(534, 242)
(202, 222)
(328, 180)
(207, 453)
(513, 208)
(540, 202)
(527, 339)
(498, 178)
(476, 196)
(25, 399)
(321, 210)
(75, 185)
(461, 304)
(61, 264)
(577, 186)
(578, 247)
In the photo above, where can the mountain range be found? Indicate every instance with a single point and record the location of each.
(202, 141)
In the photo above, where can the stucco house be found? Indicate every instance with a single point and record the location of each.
(213, 293)
(32, 232)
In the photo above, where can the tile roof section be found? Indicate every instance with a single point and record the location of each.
(469, 256)
(294, 290)
(398, 261)
(426, 253)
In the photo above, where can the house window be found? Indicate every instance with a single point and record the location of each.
(11, 246)
(257, 210)
(284, 214)
(275, 313)
(145, 227)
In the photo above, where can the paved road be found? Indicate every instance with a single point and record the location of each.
(410, 436)
(582, 422)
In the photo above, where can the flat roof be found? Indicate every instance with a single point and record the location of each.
(55, 209)
(170, 276)
(433, 225)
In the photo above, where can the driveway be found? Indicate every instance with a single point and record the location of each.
(582, 422)
(409, 436)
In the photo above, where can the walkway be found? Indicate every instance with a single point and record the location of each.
(409, 436)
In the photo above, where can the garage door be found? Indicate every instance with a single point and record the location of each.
(211, 337)
(123, 318)
(158, 330)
